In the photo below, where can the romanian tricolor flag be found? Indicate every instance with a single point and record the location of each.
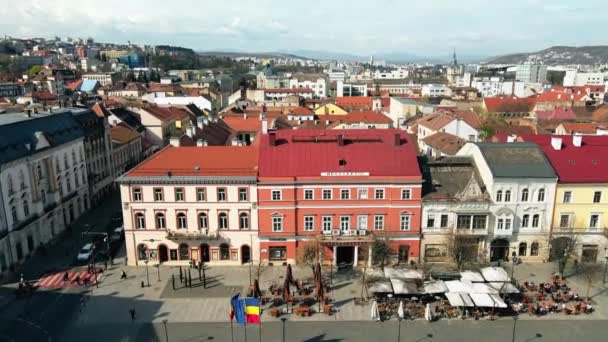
(252, 310)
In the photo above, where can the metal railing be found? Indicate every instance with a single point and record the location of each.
(352, 235)
(581, 230)
(191, 235)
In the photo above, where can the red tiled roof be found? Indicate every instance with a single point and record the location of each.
(366, 116)
(123, 134)
(288, 90)
(585, 164)
(597, 88)
(209, 160)
(73, 86)
(556, 96)
(43, 95)
(240, 124)
(435, 121)
(306, 152)
(580, 127)
(354, 101)
(100, 110)
(509, 104)
(167, 113)
(445, 142)
(561, 113)
(301, 111)
(601, 114)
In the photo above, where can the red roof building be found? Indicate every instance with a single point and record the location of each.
(561, 113)
(586, 163)
(509, 105)
(340, 188)
(354, 102)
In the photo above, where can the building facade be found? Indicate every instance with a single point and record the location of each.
(192, 204)
(43, 181)
(340, 189)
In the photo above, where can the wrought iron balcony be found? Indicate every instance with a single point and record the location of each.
(337, 236)
(203, 234)
(581, 230)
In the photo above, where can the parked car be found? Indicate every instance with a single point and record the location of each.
(117, 234)
(86, 252)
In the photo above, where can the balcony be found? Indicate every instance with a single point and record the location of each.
(581, 230)
(337, 237)
(471, 231)
(191, 235)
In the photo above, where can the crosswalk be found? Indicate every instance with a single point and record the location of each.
(56, 279)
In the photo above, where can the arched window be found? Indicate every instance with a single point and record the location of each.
(535, 220)
(525, 220)
(541, 195)
(142, 252)
(224, 252)
(222, 219)
(524, 195)
(499, 196)
(140, 221)
(21, 179)
(9, 181)
(243, 221)
(508, 196)
(523, 247)
(76, 180)
(39, 170)
(60, 186)
(534, 249)
(182, 221)
(66, 163)
(184, 252)
(74, 156)
(26, 209)
(160, 221)
(14, 214)
(202, 221)
(57, 165)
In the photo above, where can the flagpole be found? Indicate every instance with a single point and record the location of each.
(245, 320)
(231, 331)
(260, 324)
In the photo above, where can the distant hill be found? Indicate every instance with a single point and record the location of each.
(235, 54)
(586, 55)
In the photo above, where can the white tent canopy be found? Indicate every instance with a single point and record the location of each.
(504, 287)
(437, 286)
(459, 299)
(374, 273)
(482, 288)
(390, 272)
(482, 300)
(495, 274)
(471, 276)
(498, 301)
(401, 286)
(459, 286)
(381, 286)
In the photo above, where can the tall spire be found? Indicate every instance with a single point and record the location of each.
(455, 60)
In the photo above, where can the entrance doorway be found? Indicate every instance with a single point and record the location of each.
(499, 250)
(404, 252)
(205, 252)
(345, 255)
(163, 253)
(245, 254)
(589, 254)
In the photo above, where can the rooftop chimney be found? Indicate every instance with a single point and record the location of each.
(190, 131)
(601, 130)
(200, 142)
(397, 140)
(272, 137)
(264, 124)
(340, 139)
(245, 116)
(511, 138)
(577, 140)
(235, 141)
(556, 143)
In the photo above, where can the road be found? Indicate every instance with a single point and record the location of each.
(499, 331)
(48, 312)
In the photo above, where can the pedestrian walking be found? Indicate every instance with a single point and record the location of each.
(77, 280)
(132, 312)
(123, 274)
(105, 264)
(66, 277)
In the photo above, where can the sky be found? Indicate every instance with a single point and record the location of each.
(423, 28)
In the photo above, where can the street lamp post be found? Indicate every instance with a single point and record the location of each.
(158, 269)
(147, 274)
(166, 332)
(283, 319)
(158, 265)
(514, 326)
(605, 266)
(399, 328)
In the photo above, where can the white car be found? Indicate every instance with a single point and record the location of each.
(117, 234)
(86, 252)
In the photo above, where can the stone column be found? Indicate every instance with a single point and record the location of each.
(334, 259)
(369, 256)
(356, 258)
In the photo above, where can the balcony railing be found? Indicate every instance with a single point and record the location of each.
(338, 236)
(457, 231)
(190, 235)
(581, 230)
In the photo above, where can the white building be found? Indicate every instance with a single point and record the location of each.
(531, 73)
(103, 78)
(43, 181)
(521, 183)
(192, 204)
(316, 82)
(350, 89)
(578, 78)
(202, 102)
(436, 90)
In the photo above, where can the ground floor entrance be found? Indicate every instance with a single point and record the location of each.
(499, 250)
(345, 255)
(163, 253)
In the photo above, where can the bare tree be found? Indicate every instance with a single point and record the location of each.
(591, 272)
(564, 250)
(381, 251)
(459, 249)
(310, 253)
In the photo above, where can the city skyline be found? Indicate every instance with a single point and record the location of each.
(364, 29)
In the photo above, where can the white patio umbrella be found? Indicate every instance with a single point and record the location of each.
(400, 311)
(375, 313)
(427, 312)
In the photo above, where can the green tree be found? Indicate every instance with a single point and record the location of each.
(310, 253)
(34, 70)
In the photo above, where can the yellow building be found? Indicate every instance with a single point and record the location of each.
(580, 214)
(330, 109)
